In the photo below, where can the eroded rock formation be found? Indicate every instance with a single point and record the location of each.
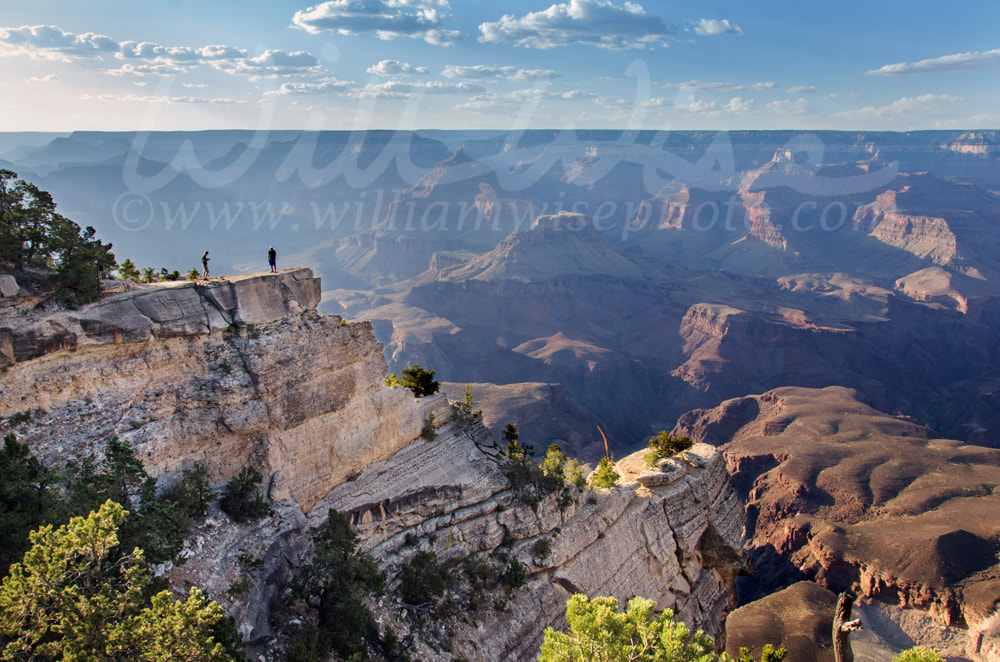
(850, 497)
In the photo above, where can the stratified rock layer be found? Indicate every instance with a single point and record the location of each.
(237, 371)
(678, 544)
(853, 498)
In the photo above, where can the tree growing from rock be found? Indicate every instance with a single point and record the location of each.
(605, 475)
(666, 445)
(419, 381)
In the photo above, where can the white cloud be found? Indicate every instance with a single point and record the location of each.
(147, 58)
(597, 22)
(789, 107)
(700, 106)
(387, 19)
(48, 42)
(154, 69)
(136, 98)
(271, 63)
(739, 105)
(50, 78)
(945, 63)
(708, 27)
(719, 86)
(194, 85)
(483, 71)
(398, 89)
(925, 104)
(802, 89)
(396, 68)
(324, 86)
(711, 85)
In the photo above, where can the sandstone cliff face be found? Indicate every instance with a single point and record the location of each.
(677, 543)
(238, 371)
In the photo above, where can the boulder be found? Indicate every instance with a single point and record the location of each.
(8, 286)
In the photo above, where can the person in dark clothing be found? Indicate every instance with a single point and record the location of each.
(204, 265)
(272, 259)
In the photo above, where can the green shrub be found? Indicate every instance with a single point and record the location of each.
(918, 654)
(665, 445)
(605, 476)
(541, 549)
(422, 580)
(327, 596)
(419, 381)
(515, 575)
(429, 431)
(241, 499)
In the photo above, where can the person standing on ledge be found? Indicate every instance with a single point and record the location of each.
(204, 265)
(272, 259)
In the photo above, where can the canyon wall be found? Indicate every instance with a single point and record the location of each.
(237, 371)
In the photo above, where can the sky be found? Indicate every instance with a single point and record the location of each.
(434, 64)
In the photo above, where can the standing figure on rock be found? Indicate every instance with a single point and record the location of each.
(204, 265)
(272, 259)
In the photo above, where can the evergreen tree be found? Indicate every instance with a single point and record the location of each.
(74, 597)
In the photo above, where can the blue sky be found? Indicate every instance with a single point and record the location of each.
(359, 64)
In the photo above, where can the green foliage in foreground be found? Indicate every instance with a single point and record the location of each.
(664, 445)
(32, 495)
(918, 654)
(600, 633)
(74, 597)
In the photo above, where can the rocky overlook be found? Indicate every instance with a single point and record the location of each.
(229, 372)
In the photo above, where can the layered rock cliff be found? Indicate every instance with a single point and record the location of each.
(236, 371)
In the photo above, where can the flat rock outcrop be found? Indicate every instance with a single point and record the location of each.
(847, 496)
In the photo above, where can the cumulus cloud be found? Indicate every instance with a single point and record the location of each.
(925, 104)
(945, 63)
(387, 19)
(483, 71)
(802, 89)
(597, 22)
(324, 86)
(396, 68)
(789, 107)
(767, 85)
(48, 42)
(709, 27)
(739, 105)
(504, 101)
(147, 58)
(50, 78)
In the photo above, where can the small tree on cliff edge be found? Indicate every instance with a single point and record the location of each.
(419, 381)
